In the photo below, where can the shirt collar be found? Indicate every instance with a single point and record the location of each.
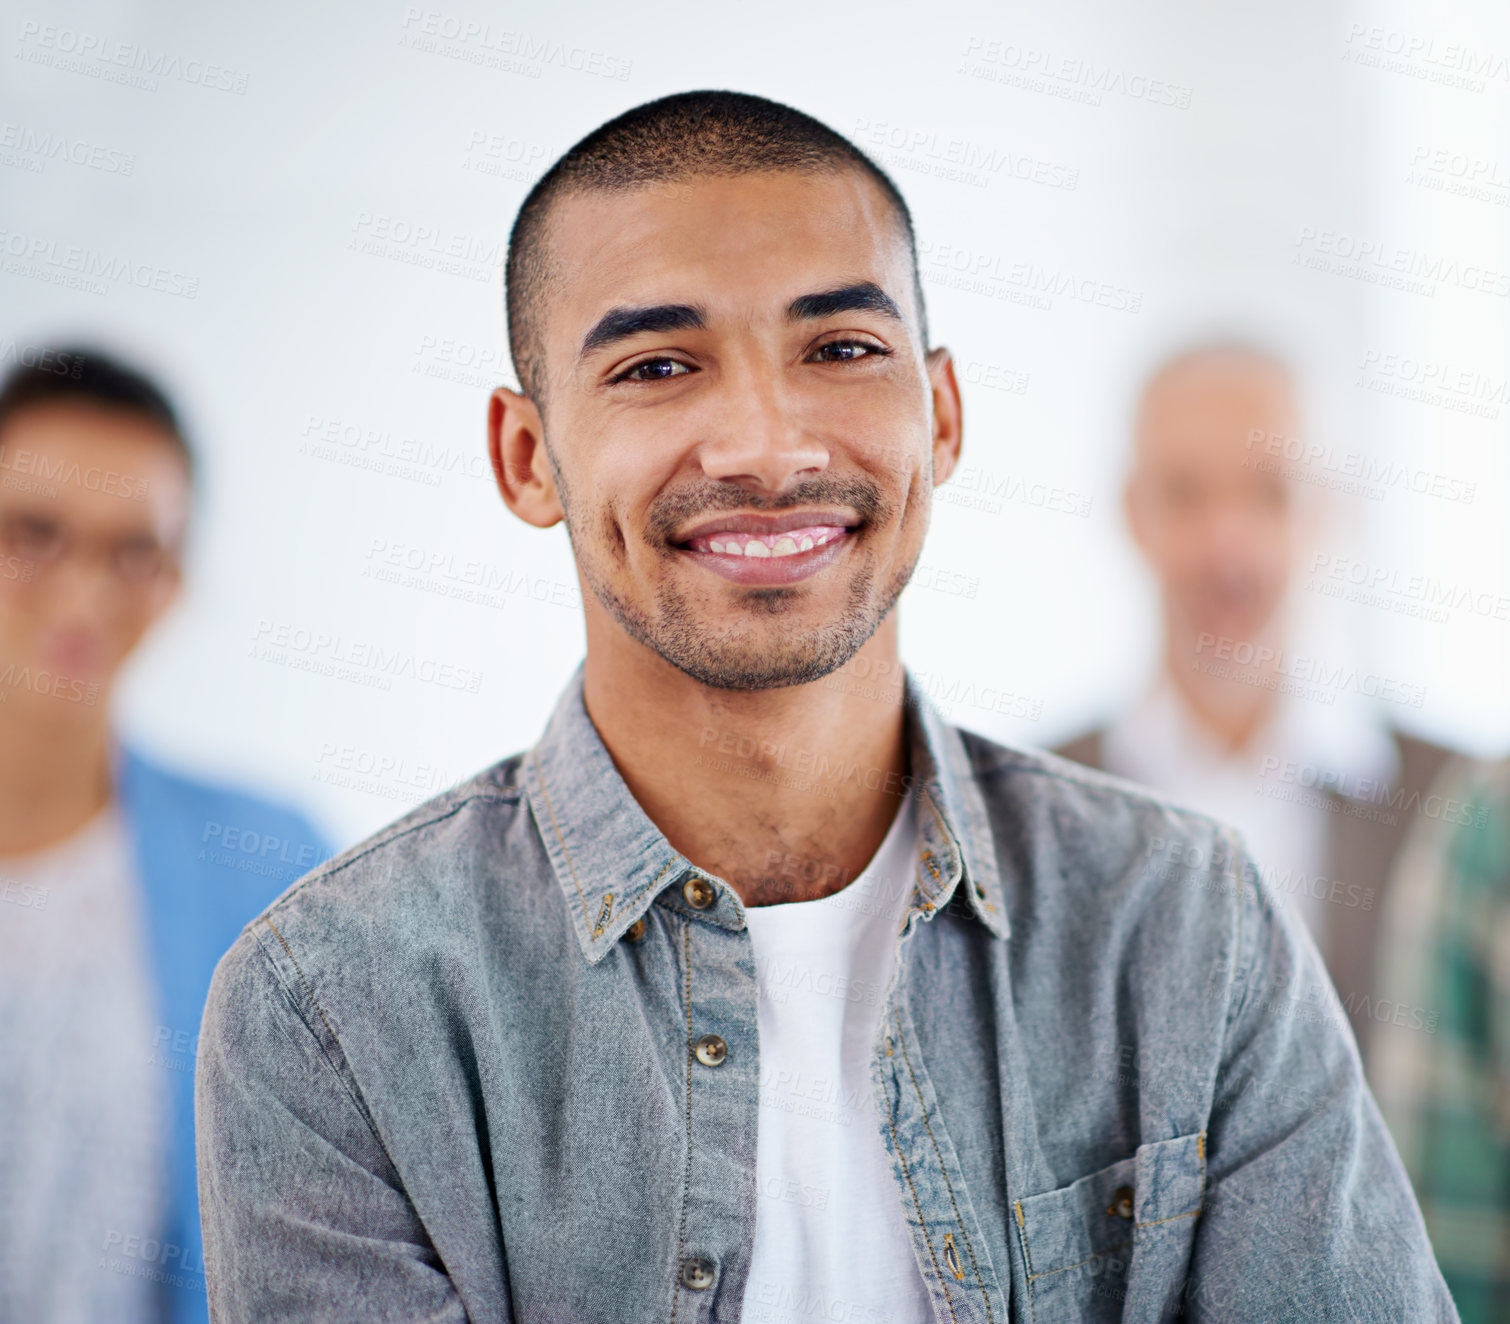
(612, 862)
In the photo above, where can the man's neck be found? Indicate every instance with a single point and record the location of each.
(785, 794)
(1224, 700)
(54, 776)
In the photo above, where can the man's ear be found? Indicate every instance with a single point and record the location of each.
(521, 466)
(948, 413)
(1135, 508)
(166, 592)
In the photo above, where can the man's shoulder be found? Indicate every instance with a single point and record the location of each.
(417, 870)
(196, 833)
(1421, 758)
(408, 900)
(154, 789)
(209, 854)
(1088, 748)
(1020, 774)
(1076, 830)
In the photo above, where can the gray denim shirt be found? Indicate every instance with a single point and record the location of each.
(451, 1075)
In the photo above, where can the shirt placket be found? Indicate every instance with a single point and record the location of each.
(721, 1073)
(959, 1276)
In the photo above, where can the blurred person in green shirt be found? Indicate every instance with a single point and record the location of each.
(1445, 1090)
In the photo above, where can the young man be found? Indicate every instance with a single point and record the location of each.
(121, 884)
(1231, 727)
(754, 991)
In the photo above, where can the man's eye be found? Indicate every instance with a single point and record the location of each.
(30, 536)
(1181, 493)
(846, 351)
(653, 370)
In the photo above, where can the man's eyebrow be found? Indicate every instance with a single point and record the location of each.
(621, 323)
(865, 297)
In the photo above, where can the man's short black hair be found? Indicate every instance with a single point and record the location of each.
(80, 375)
(676, 137)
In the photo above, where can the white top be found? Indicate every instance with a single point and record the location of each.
(1285, 821)
(83, 1107)
(831, 1241)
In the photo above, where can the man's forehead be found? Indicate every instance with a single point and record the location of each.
(747, 240)
(106, 466)
(1216, 396)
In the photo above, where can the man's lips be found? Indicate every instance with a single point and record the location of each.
(782, 549)
(782, 522)
(77, 654)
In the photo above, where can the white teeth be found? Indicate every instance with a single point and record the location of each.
(786, 544)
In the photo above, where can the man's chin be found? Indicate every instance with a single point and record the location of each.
(742, 638)
(1232, 631)
(769, 670)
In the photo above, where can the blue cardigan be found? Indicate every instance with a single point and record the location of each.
(209, 859)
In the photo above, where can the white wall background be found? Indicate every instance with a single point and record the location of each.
(294, 195)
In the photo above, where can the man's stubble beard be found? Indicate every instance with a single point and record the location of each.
(778, 660)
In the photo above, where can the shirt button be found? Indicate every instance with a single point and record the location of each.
(636, 931)
(699, 893)
(697, 1274)
(711, 1050)
(1122, 1203)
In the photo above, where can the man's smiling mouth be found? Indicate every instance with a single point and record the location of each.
(789, 543)
(769, 549)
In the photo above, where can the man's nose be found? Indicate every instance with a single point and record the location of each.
(84, 584)
(759, 436)
(1249, 535)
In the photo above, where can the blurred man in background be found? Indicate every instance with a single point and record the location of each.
(1237, 724)
(1446, 1095)
(120, 883)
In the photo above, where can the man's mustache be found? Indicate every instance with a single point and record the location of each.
(674, 510)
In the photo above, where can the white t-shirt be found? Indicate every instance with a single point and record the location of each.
(831, 1240)
(83, 1103)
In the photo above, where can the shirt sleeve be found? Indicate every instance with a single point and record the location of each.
(304, 1214)
(1308, 1212)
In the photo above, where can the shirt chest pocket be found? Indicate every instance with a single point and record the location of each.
(1115, 1244)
